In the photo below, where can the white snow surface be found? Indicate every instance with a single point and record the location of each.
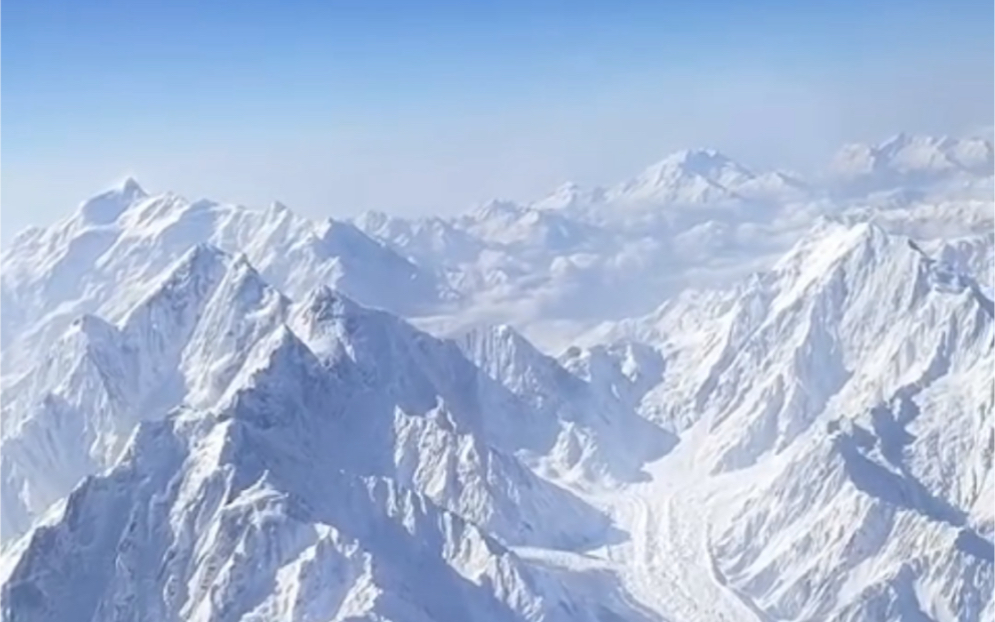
(752, 397)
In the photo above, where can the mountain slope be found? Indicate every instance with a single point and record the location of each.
(835, 416)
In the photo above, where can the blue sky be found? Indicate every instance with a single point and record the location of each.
(340, 106)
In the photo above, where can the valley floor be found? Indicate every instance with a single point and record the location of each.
(661, 558)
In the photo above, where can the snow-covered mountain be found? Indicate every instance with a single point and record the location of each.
(911, 163)
(837, 412)
(99, 260)
(217, 413)
(317, 431)
(437, 421)
(246, 512)
(705, 176)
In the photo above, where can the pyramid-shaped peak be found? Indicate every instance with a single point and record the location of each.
(202, 257)
(508, 333)
(499, 342)
(107, 206)
(194, 274)
(129, 185)
(831, 241)
(241, 273)
(203, 253)
(323, 303)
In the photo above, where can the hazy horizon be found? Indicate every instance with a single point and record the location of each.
(434, 108)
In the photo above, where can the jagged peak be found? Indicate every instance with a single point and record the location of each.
(498, 333)
(330, 224)
(195, 274)
(279, 364)
(201, 256)
(323, 319)
(202, 251)
(106, 207)
(155, 207)
(92, 328)
(831, 238)
(863, 256)
(280, 343)
(323, 303)
(500, 345)
(335, 235)
(682, 156)
(129, 186)
(372, 219)
(243, 284)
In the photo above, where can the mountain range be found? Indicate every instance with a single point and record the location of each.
(705, 393)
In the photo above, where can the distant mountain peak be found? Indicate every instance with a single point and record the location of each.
(689, 176)
(324, 302)
(910, 160)
(696, 159)
(496, 208)
(129, 185)
(107, 206)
